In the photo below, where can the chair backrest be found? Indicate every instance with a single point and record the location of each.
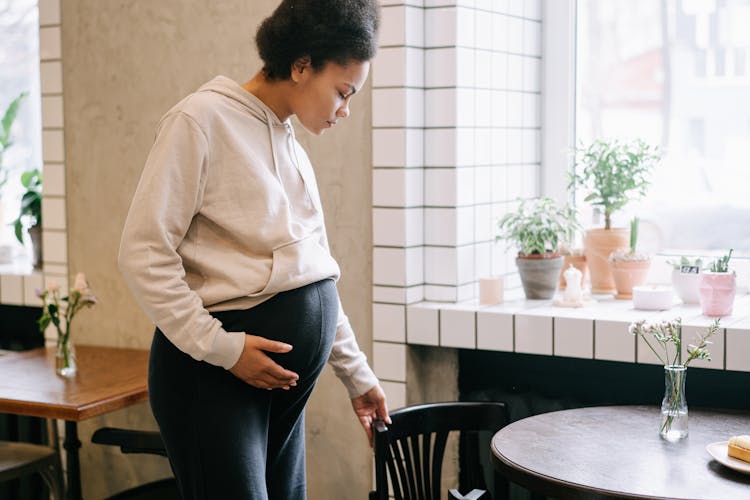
(411, 449)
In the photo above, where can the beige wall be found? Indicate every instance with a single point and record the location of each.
(125, 64)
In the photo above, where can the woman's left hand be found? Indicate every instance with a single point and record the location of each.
(369, 406)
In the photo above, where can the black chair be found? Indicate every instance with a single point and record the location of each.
(410, 451)
(131, 441)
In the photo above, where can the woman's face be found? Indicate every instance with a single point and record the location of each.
(322, 97)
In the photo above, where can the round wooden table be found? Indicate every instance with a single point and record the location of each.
(616, 452)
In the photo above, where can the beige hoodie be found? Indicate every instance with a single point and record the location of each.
(227, 214)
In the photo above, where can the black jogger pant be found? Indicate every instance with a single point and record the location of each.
(226, 439)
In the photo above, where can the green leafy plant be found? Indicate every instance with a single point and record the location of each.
(684, 261)
(630, 254)
(5, 128)
(614, 172)
(721, 265)
(537, 226)
(31, 202)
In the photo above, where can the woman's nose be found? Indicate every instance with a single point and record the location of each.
(343, 111)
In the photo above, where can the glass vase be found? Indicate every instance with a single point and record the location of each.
(65, 359)
(674, 410)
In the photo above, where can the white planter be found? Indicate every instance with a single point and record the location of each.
(652, 297)
(686, 286)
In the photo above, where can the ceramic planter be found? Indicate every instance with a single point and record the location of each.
(539, 274)
(577, 261)
(598, 245)
(627, 274)
(686, 286)
(716, 293)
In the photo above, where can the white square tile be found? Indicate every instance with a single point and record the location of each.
(465, 106)
(389, 67)
(531, 110)
(397, 294)
(415, 293)
(49, 12)
(465, 292)
(54, 247)
(397, 107)
(397, 147)
(465, 186)
(465, 255)
(531, 144)
(440, 187)
(613, 342)
(465, 154)
(482, 261)
(414, 67)
(483, 184)
(465, 27)
(397, 187)
(515, 145)
(482, 117)
(11, 290)
(440, 107)
(738, 349)
(53, 148)
(440, 27)
(515, 72)
(533, 334)
(389, 361)
(515, 109)
(499, 71)
(395, 394)
(532, 74)
(441, 293)
(441, 266)
(32, 283)
(389, 322)
(465, 225)
(530, 181)
(54, 212)
(483, 229)
(465, 61)
(494, 331)
(457, 328)
(515, 35)
(499, 146)
(499, 185)
(393, 25)
(397, 266)
(52, 112)
(440, 68)
(54, 179)
(389, 226)
(422, 324)
(482, 30)
(515, 7)
(50, 75)
(49, 43)
(532, 38)
(414, 25)
(532, 9)
(499, 32)
(574, 337)
(440, 226)
(440, 147)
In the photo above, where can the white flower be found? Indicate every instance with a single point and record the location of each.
(80, 284)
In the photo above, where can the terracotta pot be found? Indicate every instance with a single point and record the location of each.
(577, 261)
(627, 274)
(686, 286)
(539, 274)
(716, 292)
(598, 244)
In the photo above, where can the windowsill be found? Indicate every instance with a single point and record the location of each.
(596, 331)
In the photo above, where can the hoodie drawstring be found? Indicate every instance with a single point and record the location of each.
(269, 123)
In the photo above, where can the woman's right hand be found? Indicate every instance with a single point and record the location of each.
(256, 368)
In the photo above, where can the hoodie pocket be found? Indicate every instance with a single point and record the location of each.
(299, 263)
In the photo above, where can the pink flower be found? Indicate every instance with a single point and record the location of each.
(80, 284)
(52, 286)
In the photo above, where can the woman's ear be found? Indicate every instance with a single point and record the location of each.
(300, 66)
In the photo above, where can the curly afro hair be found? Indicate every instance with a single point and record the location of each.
(325, 30)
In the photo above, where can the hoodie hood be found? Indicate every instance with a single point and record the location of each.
(231, 89)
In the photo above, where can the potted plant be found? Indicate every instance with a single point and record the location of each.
(613, 173)
(570, 249)
(536, 228)
(717, 288)
(6, 141)
(628, 266)
(31, 213)
(685, 276)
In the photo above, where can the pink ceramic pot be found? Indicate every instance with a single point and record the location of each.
(716, 293)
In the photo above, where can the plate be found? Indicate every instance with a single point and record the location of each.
(718, 450)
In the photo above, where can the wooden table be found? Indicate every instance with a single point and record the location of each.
(616, 452)
(108, 379)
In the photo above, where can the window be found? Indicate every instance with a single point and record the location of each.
(19, 73)
(677, 74)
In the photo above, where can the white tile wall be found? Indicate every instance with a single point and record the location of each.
(574, 337)
(494, 331)
(398, 226)
(457, 328)
(613, 342)
(389, 322)
(389, 361)
(422, 324)
(395, 393)
(533, 334)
